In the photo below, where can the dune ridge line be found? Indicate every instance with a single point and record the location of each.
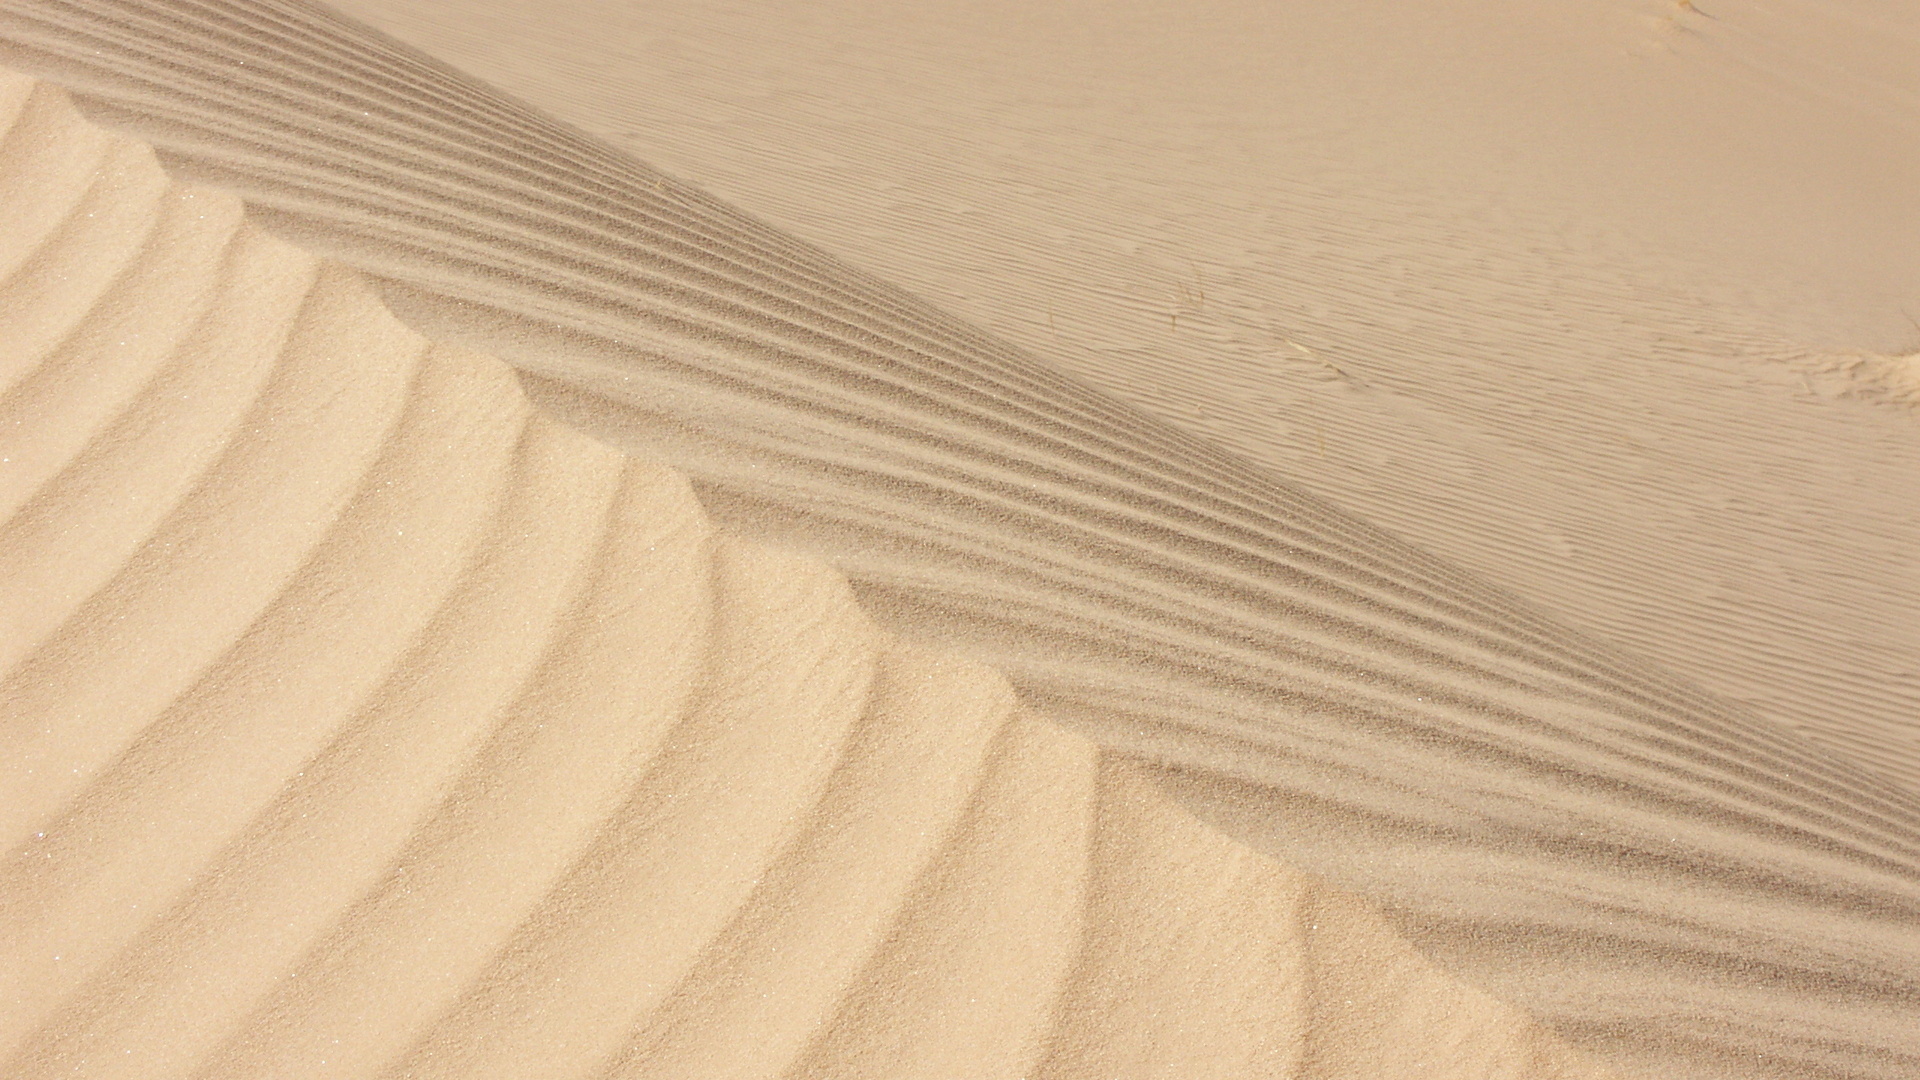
(383, 726)
(1647, 868)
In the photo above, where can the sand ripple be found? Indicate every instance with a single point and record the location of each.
(358, 721)
(1653, 872)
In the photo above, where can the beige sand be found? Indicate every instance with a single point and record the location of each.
(1666, 877)
(361, 722)
(1533, 285)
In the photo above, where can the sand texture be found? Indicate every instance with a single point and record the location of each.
(361, 722)
(1592, 300)
(346, 694)
(1589, 299)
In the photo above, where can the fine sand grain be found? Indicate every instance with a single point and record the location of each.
(401, 728)
(1531, 285)
(361, 722)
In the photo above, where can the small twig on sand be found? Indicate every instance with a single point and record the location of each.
(1309, 353)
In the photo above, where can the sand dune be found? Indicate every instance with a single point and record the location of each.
(1531, 285)
(1654, 872)
(360, 721)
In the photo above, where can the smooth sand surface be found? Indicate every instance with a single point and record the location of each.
(1675, 880)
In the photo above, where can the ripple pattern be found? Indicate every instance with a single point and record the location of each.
(1649, 869)
(358, 721)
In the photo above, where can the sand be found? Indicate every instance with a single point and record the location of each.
(703, 715)
(362, 721)
(1523, 283)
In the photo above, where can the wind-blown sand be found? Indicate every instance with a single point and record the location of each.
(1535, 286)
(518, 767)
(361, 721)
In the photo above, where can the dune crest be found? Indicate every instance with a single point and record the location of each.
(1654, 872)
(1488, 299)
(360, 721)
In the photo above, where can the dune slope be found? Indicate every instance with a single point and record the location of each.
(1565, 294)
(358, 721)
(1651, 870)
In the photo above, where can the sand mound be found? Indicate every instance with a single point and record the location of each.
(1649, 868)
(358, 721)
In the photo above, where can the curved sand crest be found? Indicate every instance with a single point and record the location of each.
(1481, 297)
(359, 721)
(1656, 873)
(1524, 284)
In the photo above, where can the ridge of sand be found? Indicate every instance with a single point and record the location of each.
(1524, 284)
(1651, 870)
(1496, 277)
(359, 721)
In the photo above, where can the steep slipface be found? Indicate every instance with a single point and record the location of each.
(1645, 866)
(357, 721)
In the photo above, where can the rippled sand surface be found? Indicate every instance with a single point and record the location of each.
(704, 717)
